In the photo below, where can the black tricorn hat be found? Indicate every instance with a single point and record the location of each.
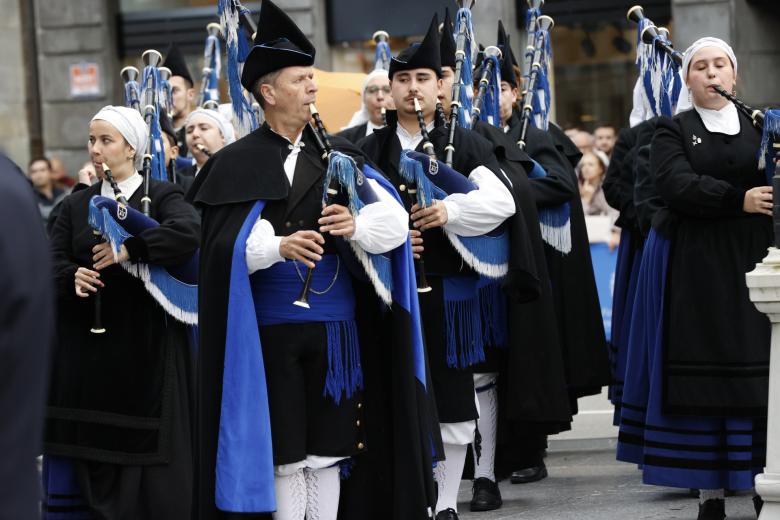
(447, 46)
(279, 43)
(508, 61)
(424, 55)
(174, 60)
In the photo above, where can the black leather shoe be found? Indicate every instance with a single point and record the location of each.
(486, 496)
(712, 509)
(527, 475)
(758, 503)
(447, 514)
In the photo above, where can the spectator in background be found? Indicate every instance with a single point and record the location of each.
(47, 194)
(571, 131)
(605, 135)
(86, 178)
(590, 174)
(584, 141)
(59, 174)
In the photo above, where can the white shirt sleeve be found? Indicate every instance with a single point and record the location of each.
(262, 247)
(482, 210)
(383, 225)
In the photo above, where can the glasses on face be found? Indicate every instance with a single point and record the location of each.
(373, 89)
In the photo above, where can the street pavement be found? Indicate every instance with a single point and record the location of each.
(586, 482)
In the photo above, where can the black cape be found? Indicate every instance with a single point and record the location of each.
(393, 479)
(580, 323)
(354, 134)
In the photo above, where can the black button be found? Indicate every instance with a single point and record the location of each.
(288, 224)
(300, 223)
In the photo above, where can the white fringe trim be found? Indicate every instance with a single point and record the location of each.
(141, 271)
(485, 269)
(559, 238)
(384, 293)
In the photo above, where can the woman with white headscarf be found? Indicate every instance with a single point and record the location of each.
(376, 96)
(705, 419)
(118, 441)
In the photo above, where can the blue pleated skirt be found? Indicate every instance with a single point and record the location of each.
(626, 276)
(62, 498)
(676, 451)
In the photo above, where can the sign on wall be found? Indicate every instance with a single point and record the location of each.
(84, 79)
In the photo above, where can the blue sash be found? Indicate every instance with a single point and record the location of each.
(332, 303)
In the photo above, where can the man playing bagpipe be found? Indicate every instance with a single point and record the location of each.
(458, 215)
(524, 362)
(311, 357)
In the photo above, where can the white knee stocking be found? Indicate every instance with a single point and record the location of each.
(322, 490)
(487, 424)
(290, 496)
(448, 474)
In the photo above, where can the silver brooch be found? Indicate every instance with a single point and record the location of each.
(696, 140)
(121, 211)
(359, 178)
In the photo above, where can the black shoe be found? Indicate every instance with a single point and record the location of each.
(486, 496)
(527, 475)
(712, 509)
(758, 503)
(447, 514)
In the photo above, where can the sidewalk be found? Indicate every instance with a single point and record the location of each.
(587, 483)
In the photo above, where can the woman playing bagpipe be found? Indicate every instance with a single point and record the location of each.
(118, 441)
(311, 360)
(705, 416)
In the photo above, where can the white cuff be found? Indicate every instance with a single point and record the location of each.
(262, 247)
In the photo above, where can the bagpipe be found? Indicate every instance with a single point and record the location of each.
(344, 173)
(174, 288)
(462, 90)
(382, 57)
(489, 89)
(537, 71)
(768, 122)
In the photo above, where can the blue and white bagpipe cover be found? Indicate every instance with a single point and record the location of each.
(174, 288)
(770, 144)
(659, 74)
(378, 267)
(237, 40)
(486, 254)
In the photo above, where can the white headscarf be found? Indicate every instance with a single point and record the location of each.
(699, 44)
(362, 115)
(216, 117)
(130, 124)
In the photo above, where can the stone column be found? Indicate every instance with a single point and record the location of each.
(14, 131)
(764, 285)
(70, 33)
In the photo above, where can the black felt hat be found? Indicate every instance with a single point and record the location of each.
(174, 60)
(424, 55)
(447, 46)
(279, 43)
(166, 125)
(508, 61)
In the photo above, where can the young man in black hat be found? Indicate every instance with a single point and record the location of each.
(182, 92)
(416, 74)
(527, 369)
(282, 403)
